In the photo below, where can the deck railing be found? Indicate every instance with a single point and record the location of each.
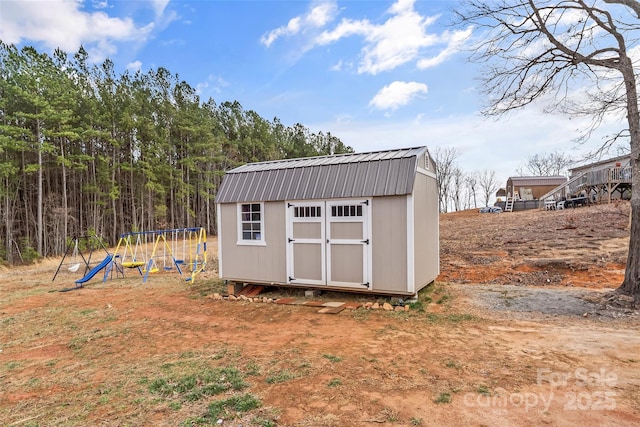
(592, 178)
(579, 182)
(564, 189)
(620, 174)
(595, 178)
(600, 177)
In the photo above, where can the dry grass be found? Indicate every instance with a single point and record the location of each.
(126, 353)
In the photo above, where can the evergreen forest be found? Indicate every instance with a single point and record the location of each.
(85, 149)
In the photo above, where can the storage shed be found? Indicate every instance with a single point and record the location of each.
(533, 187)
(363, 222)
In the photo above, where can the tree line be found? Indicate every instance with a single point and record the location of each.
(87, 150)
(458, 189)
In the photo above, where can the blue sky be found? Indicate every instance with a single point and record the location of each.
(377, 74)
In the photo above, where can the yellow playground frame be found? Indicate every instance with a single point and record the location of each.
(182, 249)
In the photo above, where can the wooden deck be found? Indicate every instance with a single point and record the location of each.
(598, 183)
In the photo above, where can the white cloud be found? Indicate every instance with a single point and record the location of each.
(454, 41)
(346, 28)
(319, 15)
(396, 42)
(404, 37)
(134, 66)
(322, 14)
(103, 4)
(337, 66)
(291, 28)
(400, 39)
(397, 94)
(63, 24)
(159, 6)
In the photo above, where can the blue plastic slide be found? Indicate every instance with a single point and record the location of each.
(95, 270)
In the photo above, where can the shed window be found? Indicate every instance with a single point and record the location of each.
(251, 222)
(346, 210)
(307, 212)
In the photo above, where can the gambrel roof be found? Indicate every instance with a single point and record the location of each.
(379, 173)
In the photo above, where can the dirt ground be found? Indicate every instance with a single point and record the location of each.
(518, 330)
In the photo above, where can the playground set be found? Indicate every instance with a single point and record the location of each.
(182, 250)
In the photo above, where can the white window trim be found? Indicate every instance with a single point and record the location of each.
(325, 219)
(349, 202)
(241, 241)
(290, 219)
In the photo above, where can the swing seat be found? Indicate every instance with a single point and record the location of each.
(179, 261)
(153, 270)
(74, 267)
(133, 264)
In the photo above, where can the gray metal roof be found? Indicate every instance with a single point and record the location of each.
(380, 173)
(538, 180)
(625, 160)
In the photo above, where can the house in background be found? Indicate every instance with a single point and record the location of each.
(600, 181)
(528, 192)
(363, 222)
(532, 187)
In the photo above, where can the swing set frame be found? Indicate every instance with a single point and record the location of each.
(92, 242)
(165, 247)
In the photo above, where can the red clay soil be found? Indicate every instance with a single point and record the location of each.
(583, 247)
(87, 357)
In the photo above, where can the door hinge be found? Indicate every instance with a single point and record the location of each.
(366, 284)
(366, 202)
(289, 240)
(327, 241)
(289, 205)
(291, 279)
(366, 241)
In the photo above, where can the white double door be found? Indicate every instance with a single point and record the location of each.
(328, 243)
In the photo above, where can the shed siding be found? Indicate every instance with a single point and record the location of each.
(539, 186)
(389, 240)
(426, 231)
(537, 191)
(254, 263)
(403, 221)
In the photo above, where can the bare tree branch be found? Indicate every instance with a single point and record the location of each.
(571, 55)
(551, 164)
(631, 4)
(444, 159)
(488, 183)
